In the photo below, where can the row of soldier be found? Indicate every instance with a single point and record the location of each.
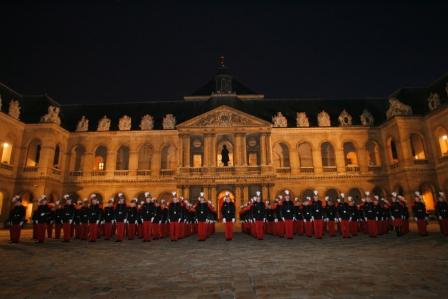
(285, 217)
(147, 219)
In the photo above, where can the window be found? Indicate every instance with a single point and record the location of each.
(123, 158)
(392, 151)
(281, 155)
(374, 158)
(168, 157)
(442, 138)
(145, 157)
(305, 155)
(351, 157)
(77, 158)
(417, 147)
(6, 152)
(100, 159)
(33, 156)
(328, 157)
(56, 157)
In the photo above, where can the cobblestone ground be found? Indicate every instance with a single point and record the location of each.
(386, 267)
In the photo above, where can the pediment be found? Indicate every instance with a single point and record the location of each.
(224, 117)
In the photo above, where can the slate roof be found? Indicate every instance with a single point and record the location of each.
(33, 107)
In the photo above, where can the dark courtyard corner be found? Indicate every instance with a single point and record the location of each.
(386, 267)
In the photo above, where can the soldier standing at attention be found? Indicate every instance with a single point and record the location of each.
(442, 213)
(95, 217)
(288, 216)
(228, 216)
(174, 218)
(132, 219)
(202, 211)
(121, 215)
(396, 212)
(317, 216)
(344, 215)
(420, 215)
(259, 214)
(109, 219)
(68, 216)
(16, 219)
(330, 217)
(147, 214)
(43, 212)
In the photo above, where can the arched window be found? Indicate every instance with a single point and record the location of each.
(374, 156)
(328, 157)
(57, 156)
(305, 155)
(168, 158)
(6, 152)
(77, 158)
(100, 158)
(442, 138)
(33, 154)
(427, 192)
(392, 151)
(281, 155)
(122, 158)
(351, 157)
(145, 157)
(417, 147)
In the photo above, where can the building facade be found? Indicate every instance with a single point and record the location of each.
(334, 146)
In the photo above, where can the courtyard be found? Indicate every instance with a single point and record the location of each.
(386, 267)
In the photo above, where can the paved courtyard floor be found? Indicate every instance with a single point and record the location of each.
(386, 267)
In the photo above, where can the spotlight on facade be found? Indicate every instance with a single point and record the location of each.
(445, 137)
(6, 144)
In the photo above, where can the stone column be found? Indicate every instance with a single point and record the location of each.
(155, 163)
(268, 149)
(186, 150)
(87, 166)
(213, 153)
(363, 159)
(237, 150)
(317, 160)
(246, 193)
(264, 192)
(263, 155)
(340, 160)
(238, 198)
(294, 160)
(213, 195)
(133, 161)
(111, 160)
(243, 150)
(207, 145)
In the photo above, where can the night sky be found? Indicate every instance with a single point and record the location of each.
(122, 51)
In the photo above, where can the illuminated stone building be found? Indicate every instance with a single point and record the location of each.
(332, 145)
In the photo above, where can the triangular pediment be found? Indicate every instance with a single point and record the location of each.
(224, 117)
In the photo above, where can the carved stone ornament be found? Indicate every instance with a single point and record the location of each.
(323, 119)
(52, 116)
(279, 121)
(125, 123)
(83, 125)
(169, 122)
(103, 124)
(367, 118)
(302, 120)
(345, 119)
(397, 108)
(14, 109)
(222, 119)
(433, 101)
(146, 123)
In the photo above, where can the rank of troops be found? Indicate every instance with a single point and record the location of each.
(152, 219)
(149, 219)
(286, 217)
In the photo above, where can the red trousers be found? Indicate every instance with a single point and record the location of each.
(331, 226)
(345, 228)
(259, 233)
(119, 236)
(229, 230)
(289, 229)
(14, 233)
(131, 231)
(299, 227)
(93, 229)
(308, 228)
(202, 230)
(50, 230)
(421, 225)
(174, 230)
(57, 231)
(372, 228)
(147, 225)
(354, 228)
(444, 226)
(318, 228)
(156, 230)
(84, 231)
(41, 232)
(107, 230)
(78, 231)
(67, 227)
(140, 230)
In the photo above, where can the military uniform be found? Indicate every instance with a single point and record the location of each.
(307, 218)
(228, 217)
(132, 221)
(420, 216)
(109, 220)
(442, 214)
(175, 219)
(147, 214)
(121, 215)
(58, 222)
(43, 212)
(396, 212)
(95, 217)
(318, 214)
(288, 217)
(344, 217)
(370, 215)
(68, 216)
(330, 218)
(15, 220)
(202, 210)
(259, 214)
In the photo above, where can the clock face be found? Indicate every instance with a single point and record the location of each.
(197, 143)
(252, 142)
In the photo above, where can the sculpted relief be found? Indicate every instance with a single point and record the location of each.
(323, 119)
(103, 124)
(397, 108)
(146, 123)
(83, 125)
(279, 121)
(52, 116)
(302, 120)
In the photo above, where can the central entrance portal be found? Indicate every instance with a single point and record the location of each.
(220, 200)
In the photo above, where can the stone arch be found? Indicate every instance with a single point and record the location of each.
(224, 140)
(350, 154)
(441, 135)
(57, 156)
(332, 193)
(392, 150)
(373, 153)
(168, 157)
(305, 151)
(7, 149)
(428, 192)
(165, 195)
(77, 157)
(100, 158)
(356, 194)
(307, 192)
(122, 161)
(280, 155)
(327, 154)
(145, 152)
(418, 148)
(33, 153)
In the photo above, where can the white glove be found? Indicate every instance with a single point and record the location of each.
(152, 219)
(415, 218)
(70, 221)
(392, 217)
(365, 218)
(179, 220)
(326, 219)
(312, 218)
(21, 223)
(264, 219)
(37, 222)
(376, 218)
(283, 218)
(114, 221)
(97, 222)
(160, 222)
(102, 222)
(136, 221)
(276, 220)
(350, 219)
(294, 219)
(233, 220)
(125, 221)
(440, 217)
(223, 220)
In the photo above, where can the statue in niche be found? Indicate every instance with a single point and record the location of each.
(367, 118)
(225, 155)
(125, 123)
(433, 101)
(169, 122)
(83, 125)
(279, 121)
(147, 123)
(323, 119)
(345, 119)
(397, 108)
(14, 109)
(302, 120)
(103, 124)
(52, 116)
